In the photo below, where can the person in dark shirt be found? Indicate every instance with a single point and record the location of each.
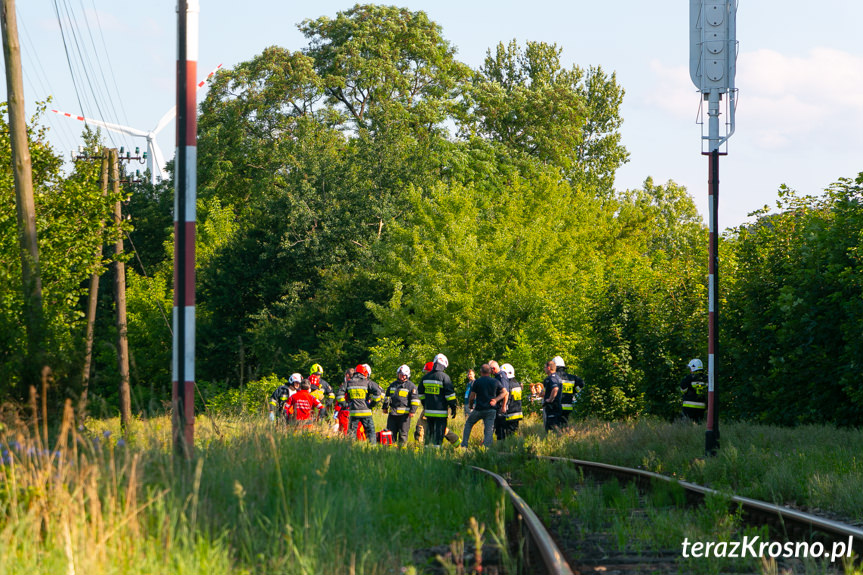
(485, 394)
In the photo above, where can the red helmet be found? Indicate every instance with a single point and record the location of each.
(361, 369)
(429, 366)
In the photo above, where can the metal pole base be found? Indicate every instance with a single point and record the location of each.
(711, 443)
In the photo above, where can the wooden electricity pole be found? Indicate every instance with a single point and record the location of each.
(93, 301)
(120, 294)
(23, 175)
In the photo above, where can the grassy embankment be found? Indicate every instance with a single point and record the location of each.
(255, 500)
(818, 468)
(258, 501)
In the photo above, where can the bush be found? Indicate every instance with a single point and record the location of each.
(249, 399)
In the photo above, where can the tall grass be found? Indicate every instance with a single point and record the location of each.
(256, 499)
(814, 467)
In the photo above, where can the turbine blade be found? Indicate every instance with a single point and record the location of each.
(166, 119)
(172, 113)
(107, 125)
(158, 158)
(210, 75)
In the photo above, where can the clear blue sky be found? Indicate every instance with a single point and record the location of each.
(800, 75)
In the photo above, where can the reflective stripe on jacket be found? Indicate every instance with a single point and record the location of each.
(436, 393)
(694, 388)
(513, 402)
(570, 386)
(402, 397)
(359, 394)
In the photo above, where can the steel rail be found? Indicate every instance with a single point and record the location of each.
(552, 558)
(752, 507)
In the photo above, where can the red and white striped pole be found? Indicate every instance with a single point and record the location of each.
(711, 439)
(185, 196)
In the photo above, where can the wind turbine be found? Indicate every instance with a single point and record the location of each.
(155, 158)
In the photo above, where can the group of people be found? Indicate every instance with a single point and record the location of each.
(303, 400)
(495, 398)
(401, 401)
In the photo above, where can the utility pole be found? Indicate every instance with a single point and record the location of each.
(185, 197)
(92, 301)
(120, 296)
(712, 67)
(110, 160)
(26, 207)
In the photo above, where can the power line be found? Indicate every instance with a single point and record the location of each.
(43, 91)
(116, 118)
(73, 28)
(110, 67)
(68, 57)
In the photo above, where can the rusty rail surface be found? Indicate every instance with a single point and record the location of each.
(790, 520)
(552, 558)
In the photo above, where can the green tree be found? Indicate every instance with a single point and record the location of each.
(649, 314)
(481, 260)
(568, 118)
(70, 214)
(797, 292)
(383, 65)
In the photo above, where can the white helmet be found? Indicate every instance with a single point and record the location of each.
(558, 361)
(508, 370)
(441, 360)
(295, 378)
(368, 369)
(696, 365)
(404, 369)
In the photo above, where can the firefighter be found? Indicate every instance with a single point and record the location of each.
(437, 393)
(278, 399)
(422, 421)
(500, 427)
(360, 394)
(694, 389)
(342, 414)
(512, 410)
(299, 407)
(419, 431)
(571, 386)
(401, 402)
(319, 387)
(551, 404)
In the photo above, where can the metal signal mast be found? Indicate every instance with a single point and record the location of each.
(712, 67)
(185, 197)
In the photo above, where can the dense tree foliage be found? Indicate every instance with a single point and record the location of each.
(73, 219)
(569, 119)
(795, 310)
(372, 199)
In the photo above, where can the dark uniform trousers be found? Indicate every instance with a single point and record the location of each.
(400, 426)
(501, 426)
(553, 421)
(435, 430)
(368, 424)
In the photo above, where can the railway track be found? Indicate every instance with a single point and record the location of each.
(545, 551)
